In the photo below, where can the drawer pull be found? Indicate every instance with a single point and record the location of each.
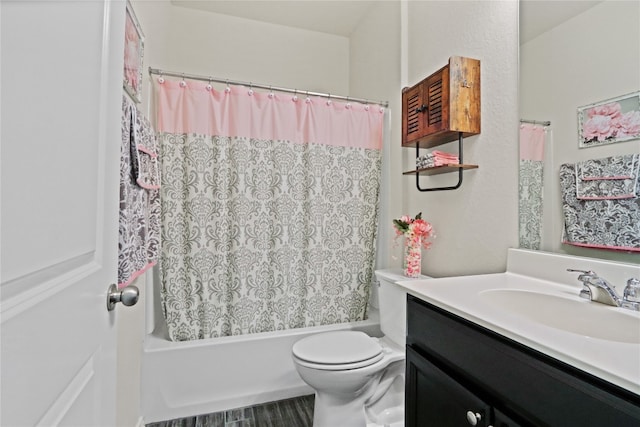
(473, 417)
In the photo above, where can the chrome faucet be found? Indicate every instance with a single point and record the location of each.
(599, 290)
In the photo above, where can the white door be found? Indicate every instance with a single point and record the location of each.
(61, 88)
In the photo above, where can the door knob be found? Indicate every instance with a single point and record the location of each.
(127, 296)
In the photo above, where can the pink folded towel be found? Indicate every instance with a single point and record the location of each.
(436, 158)
(445, 156)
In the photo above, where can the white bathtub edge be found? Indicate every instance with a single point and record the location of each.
(181, 379)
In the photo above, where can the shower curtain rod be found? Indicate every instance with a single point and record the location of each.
(254, 85)
(536, 122)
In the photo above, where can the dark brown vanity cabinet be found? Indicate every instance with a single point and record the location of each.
(461, 374)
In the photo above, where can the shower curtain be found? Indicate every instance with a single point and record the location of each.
(531, 185)
(269, 209)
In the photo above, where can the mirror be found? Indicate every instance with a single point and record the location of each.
(572, 54)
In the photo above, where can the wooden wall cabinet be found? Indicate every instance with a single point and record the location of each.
(442, 108)
(438, 108)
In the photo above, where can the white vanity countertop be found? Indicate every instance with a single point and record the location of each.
(614, 361)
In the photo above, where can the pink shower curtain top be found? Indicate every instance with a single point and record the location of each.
(196, 107)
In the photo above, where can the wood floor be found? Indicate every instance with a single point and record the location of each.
(296, 412)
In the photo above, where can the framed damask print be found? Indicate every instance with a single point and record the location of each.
(133, 54)
(606, 122)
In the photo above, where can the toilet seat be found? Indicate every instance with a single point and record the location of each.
(338, 350)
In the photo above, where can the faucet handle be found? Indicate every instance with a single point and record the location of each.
(632, 290)
(585, 274)
(584, 278)
(589, 272)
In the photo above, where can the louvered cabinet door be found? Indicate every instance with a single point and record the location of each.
(412, 114)
(425, 108)
(435, 91)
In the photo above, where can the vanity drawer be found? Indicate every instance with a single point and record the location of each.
(515, 378)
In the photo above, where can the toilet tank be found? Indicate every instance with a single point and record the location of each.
(392, 300)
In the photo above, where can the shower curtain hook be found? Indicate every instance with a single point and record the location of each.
(295, 95)
(307, 100)
(183, 83)
(329, 99)
(250, 89)
(209, 87)
(271, 95)
(161, 78)
(227, 89)
(348, 104)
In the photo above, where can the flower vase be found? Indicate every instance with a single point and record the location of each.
(413, 257)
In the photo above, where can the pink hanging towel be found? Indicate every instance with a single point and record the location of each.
(531, 142)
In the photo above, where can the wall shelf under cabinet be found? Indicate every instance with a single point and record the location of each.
(436, 170)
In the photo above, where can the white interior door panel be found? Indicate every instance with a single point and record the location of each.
(61, 90)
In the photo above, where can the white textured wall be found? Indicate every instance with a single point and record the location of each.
(477, 223)
(246, 50)
(590, 58)
(375, 74)
(155, 18)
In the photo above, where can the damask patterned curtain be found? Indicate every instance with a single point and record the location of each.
(269, 209)
(531, 185)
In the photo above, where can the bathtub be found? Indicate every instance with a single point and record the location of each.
(181, 379)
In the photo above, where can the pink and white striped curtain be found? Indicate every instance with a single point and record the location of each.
(269, 208)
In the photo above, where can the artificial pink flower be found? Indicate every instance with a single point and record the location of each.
(406, 218)
(421, 228)
(416, 231)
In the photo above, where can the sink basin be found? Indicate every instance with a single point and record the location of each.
(574, 315)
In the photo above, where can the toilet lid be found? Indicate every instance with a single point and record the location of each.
(337, 348)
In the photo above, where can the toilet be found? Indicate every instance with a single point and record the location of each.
(358, 379)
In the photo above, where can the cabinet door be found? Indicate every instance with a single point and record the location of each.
(435, 97)
(435, 399)
(412, 114)
(502, 420)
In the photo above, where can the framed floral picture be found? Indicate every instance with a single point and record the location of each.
(133, 54)
(606, 122)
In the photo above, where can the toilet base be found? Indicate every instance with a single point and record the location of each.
(388, 411)
(331, 411)
(390, 417)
